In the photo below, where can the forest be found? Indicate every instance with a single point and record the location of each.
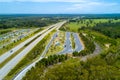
(110, 29)
(26, 22)
(38, 70)
(103, 67)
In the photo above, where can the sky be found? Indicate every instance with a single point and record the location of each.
(59, 6)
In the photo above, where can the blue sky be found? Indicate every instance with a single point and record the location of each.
(59, 6)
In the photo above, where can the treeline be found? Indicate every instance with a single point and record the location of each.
(89, 46)
(5, 31)
(18, 22)
(109, 29)
(37, 72)
(34, 38)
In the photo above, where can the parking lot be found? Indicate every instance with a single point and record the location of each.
(14, 36)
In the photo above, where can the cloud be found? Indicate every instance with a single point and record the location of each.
(69, 6)
(91, 5)
(43, 0)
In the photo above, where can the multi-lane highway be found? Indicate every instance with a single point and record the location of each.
(9, 53)
(11, 64)
(67, 49)
(20, 75)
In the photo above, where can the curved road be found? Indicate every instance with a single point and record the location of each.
(95, 53)
(11, 64)
(20, 75)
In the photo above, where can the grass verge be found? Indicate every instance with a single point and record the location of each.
(73, 42)
(32, 56)
(12, 45)
(12, 56)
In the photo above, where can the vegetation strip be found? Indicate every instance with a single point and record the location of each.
(89, 46)
(5, 31)
(12, 56)
(73, 42)
(33, 39)
(10, 46)
(42, 65)
(32, 56)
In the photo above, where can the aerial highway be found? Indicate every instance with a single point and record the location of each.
(20, 75)
(13, 50)
(12, 63)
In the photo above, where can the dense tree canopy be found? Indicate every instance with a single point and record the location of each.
(103, 67)
(20, 22)
(36, 73)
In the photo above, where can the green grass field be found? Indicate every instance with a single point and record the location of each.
(74, 26)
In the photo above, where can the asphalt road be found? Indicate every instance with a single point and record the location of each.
(11, 64)
(15, 49)
(20, 75)
(78, 45)
(95, 53)
(67, 45)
